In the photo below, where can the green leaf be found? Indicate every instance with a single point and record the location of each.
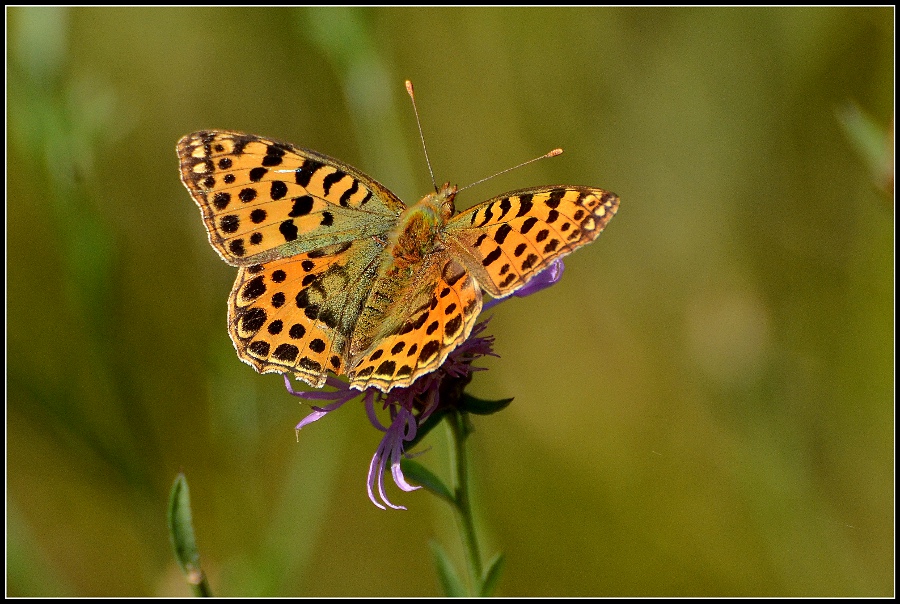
(181, 526)
(478, 406)
(181, 532)
(451, 584)
(492, 575)
(870, 141)
(419, 474)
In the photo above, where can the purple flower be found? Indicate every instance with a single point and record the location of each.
(542, 280)
(409, 407)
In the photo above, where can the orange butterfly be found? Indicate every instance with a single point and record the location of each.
(337, 274)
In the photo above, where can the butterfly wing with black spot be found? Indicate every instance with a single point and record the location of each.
(262, 199)
(297, 314)
(422, 320)
(506, 241)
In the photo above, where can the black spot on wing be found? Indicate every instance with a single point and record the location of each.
(528, 224)
(386, 368)
(229, 223)
(237, 247)
(556, 196)
(488, 214)
(505, 206)
(304, 173)
(253, 289)
(286, 352)
(525, 204)
(259, 348)
(502, 232)
(492, 257)
(346, 195)
(310, 365)
(303, 205)
(221, 200)
(253, 319)
(429, 350)
(288, 230)
(331, 179)
(278, 190)
(453, 325)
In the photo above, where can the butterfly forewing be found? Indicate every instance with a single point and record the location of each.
(263, 199)
(508, 240)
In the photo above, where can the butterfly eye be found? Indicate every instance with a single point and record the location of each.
(448, 209)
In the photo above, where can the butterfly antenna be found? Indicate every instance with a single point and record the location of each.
(553, 153)
(409, 89)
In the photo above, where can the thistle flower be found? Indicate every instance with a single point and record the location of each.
(409, 407)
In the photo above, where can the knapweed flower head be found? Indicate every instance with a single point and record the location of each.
(408, 407)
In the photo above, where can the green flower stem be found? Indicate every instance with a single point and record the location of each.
(201, 587)
(459, 428)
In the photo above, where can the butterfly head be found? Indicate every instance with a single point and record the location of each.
(442, 201)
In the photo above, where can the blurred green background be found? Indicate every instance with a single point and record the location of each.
(703, 405)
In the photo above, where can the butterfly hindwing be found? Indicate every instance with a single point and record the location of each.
(263, 199)
(508, 240)
(297, 314)
(438, 309)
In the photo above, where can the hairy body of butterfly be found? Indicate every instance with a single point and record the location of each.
(337, 274)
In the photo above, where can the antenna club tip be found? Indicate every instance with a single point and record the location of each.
(555, 152)
(409, 87)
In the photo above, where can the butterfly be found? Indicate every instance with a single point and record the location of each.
(336, 274)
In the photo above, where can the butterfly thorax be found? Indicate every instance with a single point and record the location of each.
(419, 229)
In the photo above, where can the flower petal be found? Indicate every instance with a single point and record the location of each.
(542, 280)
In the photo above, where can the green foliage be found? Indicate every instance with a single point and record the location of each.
(181, 533)
(451, 584)
(704, 402)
